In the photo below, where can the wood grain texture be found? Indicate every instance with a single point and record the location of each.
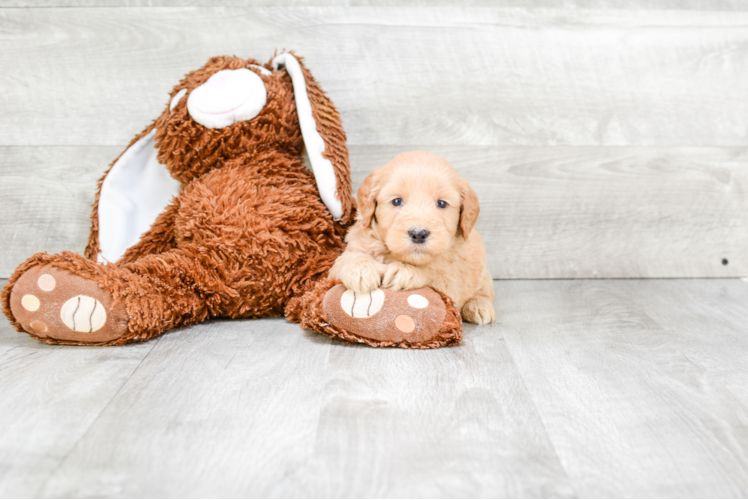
(261, 409)
(584, 388)
(50, 396)
(46, 195)
(602, 212)
(640, 384)
(561, 212)
(577, 127)
(400, 76)
(699, 5)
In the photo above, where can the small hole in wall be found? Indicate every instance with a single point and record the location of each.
(725, 262)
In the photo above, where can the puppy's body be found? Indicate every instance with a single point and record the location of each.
(414, 228)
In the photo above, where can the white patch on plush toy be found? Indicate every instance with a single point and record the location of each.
(324, 173)
(30, 302)
(83, 314)
(46, 282)
(359, 305)
(175, 100)
(418, 301)
(229, 96)
(136, 190)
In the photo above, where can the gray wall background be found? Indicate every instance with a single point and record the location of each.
(605, 139)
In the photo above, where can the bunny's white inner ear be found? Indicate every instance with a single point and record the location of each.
(136, 190)
(324, 173)
(262, 70)
(175, 100)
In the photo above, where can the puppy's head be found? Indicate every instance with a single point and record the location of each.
(418, 206)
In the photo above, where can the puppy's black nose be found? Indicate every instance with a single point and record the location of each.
(418, 235)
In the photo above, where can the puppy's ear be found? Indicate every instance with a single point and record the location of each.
(469, 209)
(367, 198)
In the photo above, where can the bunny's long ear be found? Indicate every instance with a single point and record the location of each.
(131, 195)
(324, 138)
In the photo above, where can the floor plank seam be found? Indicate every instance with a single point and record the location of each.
(93, 423)
(540, 417)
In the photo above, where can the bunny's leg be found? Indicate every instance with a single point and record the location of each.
(72, 300)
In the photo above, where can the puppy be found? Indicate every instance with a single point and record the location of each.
(414, 228)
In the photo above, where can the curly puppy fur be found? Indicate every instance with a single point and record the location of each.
(414, 228)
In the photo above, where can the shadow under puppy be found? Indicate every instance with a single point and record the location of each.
(414, 228)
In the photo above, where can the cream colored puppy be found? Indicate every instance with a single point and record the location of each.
(414, 228)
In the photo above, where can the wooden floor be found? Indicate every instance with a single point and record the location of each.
(587, 388)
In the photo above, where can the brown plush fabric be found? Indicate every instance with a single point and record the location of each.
(438, 325)
(160, 238)
(247, 234)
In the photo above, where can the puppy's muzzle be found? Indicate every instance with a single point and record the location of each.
(418, 236)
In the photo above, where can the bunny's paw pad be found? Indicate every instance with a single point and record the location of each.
(53, 303)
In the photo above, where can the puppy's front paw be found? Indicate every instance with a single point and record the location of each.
(479, 311)
(363, 278)
(401, 276)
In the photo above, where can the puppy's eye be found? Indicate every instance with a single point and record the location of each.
(397, 202)
(442, 204)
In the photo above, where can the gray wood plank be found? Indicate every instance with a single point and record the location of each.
(601, 212)
(561, 212)
(400, 76)
(614, 388)
(46, 195)
(634, 401)
(701, 5)
(258, 408)
(720, 313)
(50, 396)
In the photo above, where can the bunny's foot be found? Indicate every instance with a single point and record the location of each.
(413, 319)
(58, 306)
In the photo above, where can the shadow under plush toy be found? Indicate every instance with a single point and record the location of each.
(210, 212)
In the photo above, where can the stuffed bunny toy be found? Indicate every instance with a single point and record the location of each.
(211, 212)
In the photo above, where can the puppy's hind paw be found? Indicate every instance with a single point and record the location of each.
(479, 311)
